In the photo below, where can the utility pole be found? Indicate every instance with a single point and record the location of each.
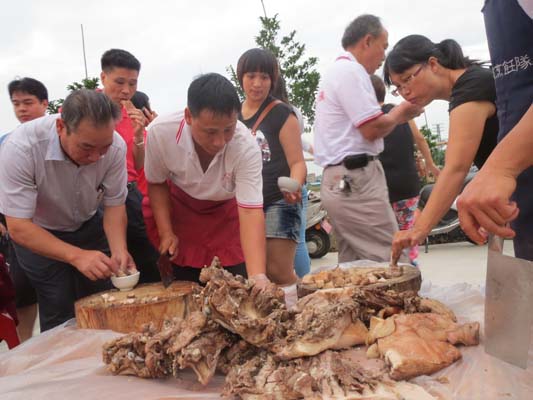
(264, 9)
(437, 128)
(84, 57)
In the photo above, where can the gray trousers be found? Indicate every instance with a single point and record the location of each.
(361, 214)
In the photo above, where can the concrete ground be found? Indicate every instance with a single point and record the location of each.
(443, 265)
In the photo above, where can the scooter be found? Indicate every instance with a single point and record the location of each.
(449, 224)
(317, 227)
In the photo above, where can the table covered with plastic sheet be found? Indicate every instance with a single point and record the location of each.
(66, 363)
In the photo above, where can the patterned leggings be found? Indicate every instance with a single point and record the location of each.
(405, 215)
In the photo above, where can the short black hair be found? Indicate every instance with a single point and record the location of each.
(258, 60)
(360, 27)
(212, 92)
(29, 86)
(118, 58)
(91, 105)
(379, 87)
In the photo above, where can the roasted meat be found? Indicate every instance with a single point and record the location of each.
(419, 344)
(126, 355)
(237, 305)
(344, 277)
(194, 342)
(330, 375)
(202, 354)
(321, 321)
(269, 352)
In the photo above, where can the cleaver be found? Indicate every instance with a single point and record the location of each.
(508, 299)
(164, 265)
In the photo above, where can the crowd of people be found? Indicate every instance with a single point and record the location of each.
(106, 185)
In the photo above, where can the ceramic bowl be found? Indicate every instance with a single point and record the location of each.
(125, 283)
(287, 184)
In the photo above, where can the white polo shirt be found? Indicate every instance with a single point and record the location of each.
(234, 172)
(345, 101)
(38, 181)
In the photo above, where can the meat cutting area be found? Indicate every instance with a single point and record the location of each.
(267, 350)
(266, 200)
(379, 335)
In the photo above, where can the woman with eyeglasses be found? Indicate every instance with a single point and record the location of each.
(423, 71)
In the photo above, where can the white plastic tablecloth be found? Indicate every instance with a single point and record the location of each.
(66, 363)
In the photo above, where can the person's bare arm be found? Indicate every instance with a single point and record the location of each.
(291, 143)
(159, 195)
(423, 146)
(486, 200)
(253, 241)
(93, 264)
(467, 123)
(115, 222)
(384, 124)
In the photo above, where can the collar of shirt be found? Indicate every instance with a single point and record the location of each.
(54, 152)
(346, 55)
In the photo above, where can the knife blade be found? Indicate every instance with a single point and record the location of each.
(164, 265)
(508, 297)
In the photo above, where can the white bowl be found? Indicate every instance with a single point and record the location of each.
(125, 283)
(288, 185)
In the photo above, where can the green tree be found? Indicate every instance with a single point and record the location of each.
(437, 153)
(86, 83)
(299, 71)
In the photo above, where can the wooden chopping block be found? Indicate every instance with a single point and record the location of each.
(411, 279)
(128, 311)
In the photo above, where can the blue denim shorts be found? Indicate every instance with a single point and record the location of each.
(283, 220)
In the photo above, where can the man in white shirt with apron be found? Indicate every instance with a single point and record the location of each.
(203, 169)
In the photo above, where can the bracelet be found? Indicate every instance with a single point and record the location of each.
(139, 144)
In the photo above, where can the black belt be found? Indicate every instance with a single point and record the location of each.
(131, 185)
(355, 161)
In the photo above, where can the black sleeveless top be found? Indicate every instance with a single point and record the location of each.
(398, 159)
(267, 136)
(477, 84)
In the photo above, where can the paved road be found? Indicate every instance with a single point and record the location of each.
(446, 264)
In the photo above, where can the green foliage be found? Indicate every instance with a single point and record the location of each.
(54, 106)
(233, 76)
(86, 83)
(299, 72)
(437, 153)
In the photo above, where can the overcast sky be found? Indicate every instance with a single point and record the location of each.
(177, 40)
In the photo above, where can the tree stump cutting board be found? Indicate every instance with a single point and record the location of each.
(128, 311)
(367, 277)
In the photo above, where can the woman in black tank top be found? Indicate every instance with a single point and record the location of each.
(278, 135)
(423, 71)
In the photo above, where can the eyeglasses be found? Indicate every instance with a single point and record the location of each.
(407, 81)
